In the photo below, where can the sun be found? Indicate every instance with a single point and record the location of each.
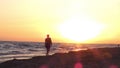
(80, 30)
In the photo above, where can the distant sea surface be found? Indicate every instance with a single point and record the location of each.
(24, 50)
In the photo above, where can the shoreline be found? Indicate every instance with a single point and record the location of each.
(91, 58)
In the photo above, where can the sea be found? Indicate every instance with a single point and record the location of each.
(25, 50)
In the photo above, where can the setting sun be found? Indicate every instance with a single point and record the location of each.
(80, 29)
(84, 21)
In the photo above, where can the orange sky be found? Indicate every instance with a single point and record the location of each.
(31, 20)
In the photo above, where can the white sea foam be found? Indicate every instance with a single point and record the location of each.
(10, 50)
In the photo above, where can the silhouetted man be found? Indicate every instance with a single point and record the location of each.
(48, 44)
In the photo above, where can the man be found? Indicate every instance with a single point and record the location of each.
(48, 44)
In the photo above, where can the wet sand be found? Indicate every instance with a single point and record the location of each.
(91, 58)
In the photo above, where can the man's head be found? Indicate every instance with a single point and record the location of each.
(47, 35)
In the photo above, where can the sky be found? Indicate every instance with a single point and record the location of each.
(31, 20)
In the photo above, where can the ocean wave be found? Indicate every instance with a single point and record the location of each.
(37, 48)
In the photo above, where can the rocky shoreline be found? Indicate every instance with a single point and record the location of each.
(91, 58)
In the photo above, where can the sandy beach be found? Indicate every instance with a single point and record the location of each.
(91, 58)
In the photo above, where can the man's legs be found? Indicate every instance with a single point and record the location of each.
(48, 49)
